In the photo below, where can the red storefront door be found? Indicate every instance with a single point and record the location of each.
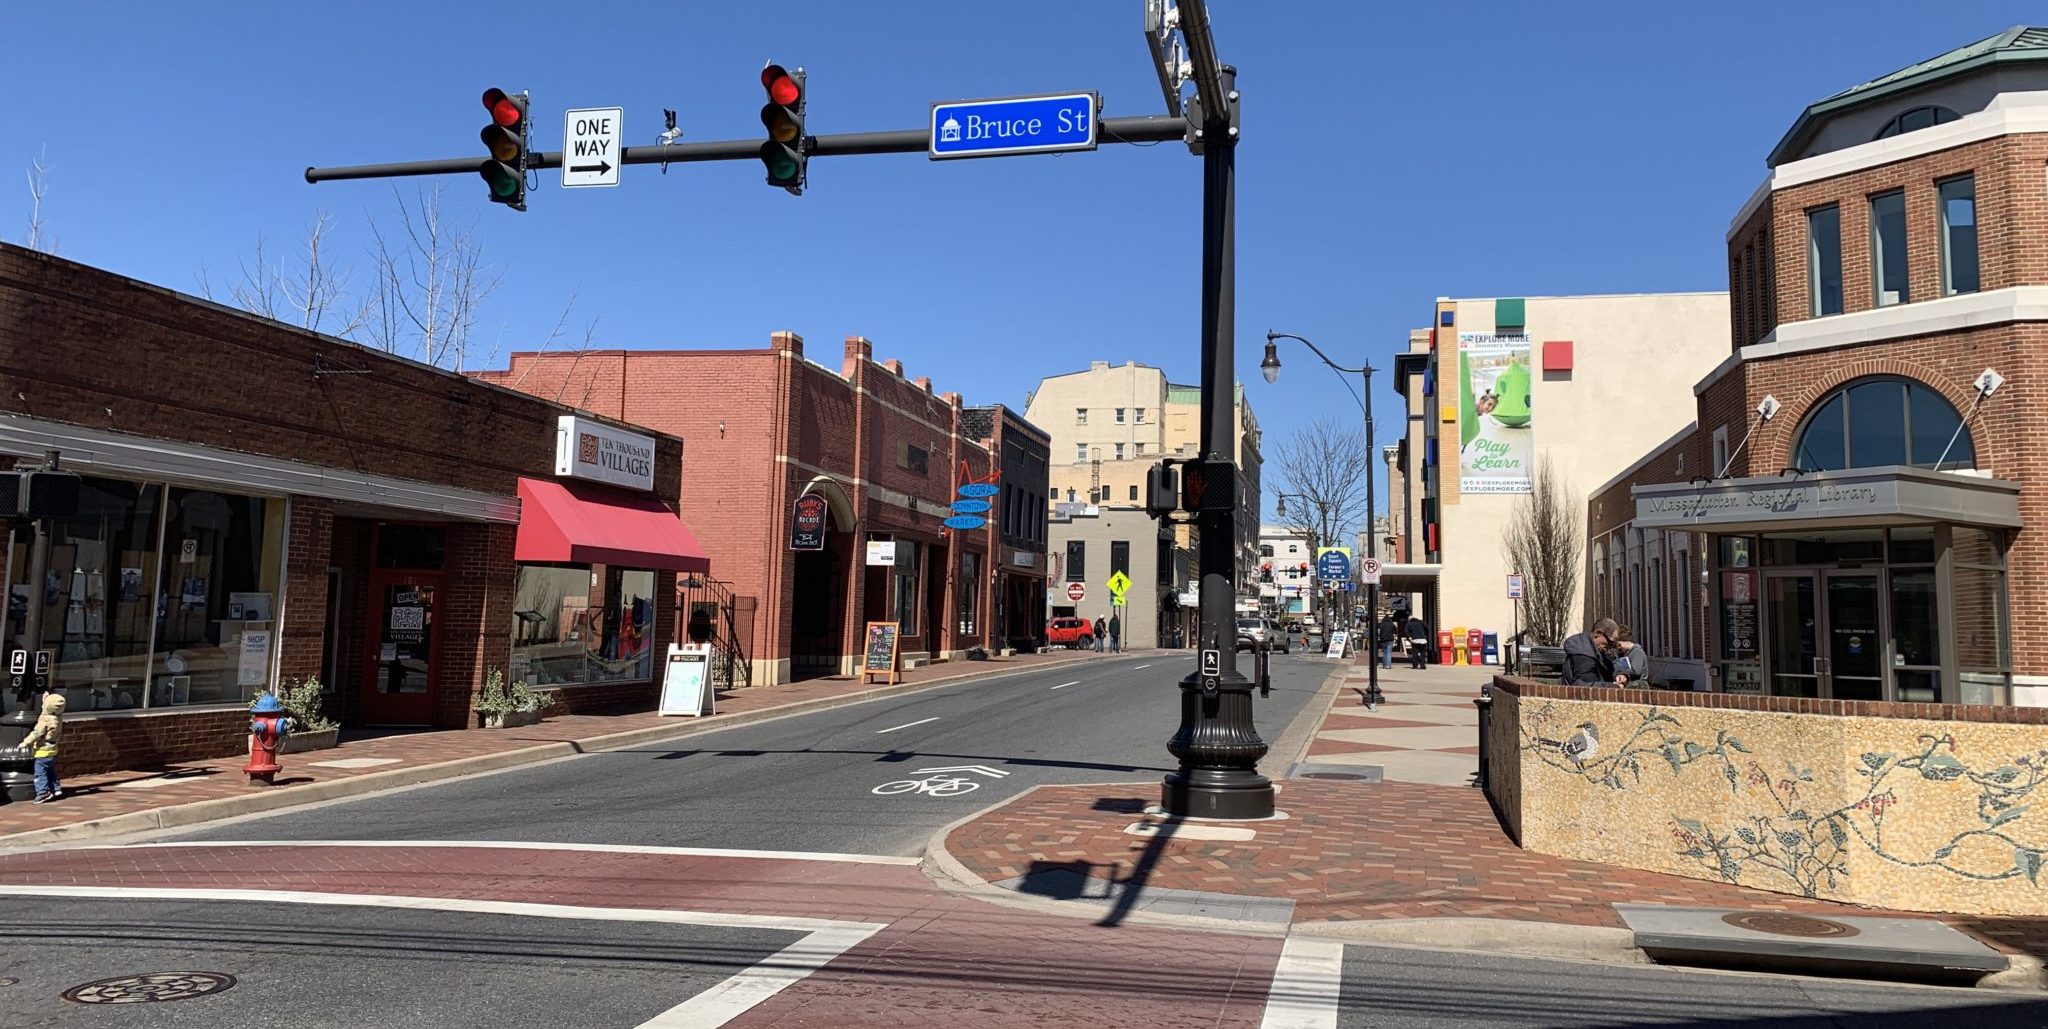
(404, 662)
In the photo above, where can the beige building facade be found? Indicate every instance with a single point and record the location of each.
(1113, 422)
(1500, 388)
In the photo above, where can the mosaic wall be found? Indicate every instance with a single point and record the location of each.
(1900, 813)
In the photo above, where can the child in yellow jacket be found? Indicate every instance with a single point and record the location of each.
(42, 741)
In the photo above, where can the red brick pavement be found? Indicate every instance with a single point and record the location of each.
(944, 960)
(1363, 851)
(92, 797)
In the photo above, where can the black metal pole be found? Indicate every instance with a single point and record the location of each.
(1372, 543)
(1218, 746)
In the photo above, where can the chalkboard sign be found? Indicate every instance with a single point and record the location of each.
(685, 681)
(880, 658)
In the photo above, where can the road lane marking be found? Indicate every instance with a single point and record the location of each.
(597, 848)
(907, 725)
(824, 940)
(1307, 984)
(1147, 664)
(1064, 685)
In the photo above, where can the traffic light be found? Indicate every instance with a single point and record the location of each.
(506, 138)
(783, 117)
(1266, 572)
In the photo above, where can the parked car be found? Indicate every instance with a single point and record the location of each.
(1078, 633)
(1253, 631)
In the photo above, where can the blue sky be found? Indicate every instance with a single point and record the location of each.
(1392, 153)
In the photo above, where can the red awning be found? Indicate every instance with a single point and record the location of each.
(580, 523)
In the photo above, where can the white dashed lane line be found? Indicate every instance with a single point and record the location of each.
(907, 725)
(1064, 685)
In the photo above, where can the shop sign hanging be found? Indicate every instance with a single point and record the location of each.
(807, 524)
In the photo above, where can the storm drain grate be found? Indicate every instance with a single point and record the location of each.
(1352, 776)
(1789, 925)
(144, 989)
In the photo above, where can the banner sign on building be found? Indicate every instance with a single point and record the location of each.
(807, 524)
(1496, 453)
(589, 449)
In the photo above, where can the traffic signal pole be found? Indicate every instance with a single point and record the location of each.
(1217, 744)
(1152, 128)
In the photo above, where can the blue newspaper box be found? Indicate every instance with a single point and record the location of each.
(1492, 648)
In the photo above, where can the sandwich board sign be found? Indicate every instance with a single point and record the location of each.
(686, 681)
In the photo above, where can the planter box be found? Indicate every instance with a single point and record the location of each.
(301, 742)
(511, 719)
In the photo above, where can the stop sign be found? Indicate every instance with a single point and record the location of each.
(1076, 591)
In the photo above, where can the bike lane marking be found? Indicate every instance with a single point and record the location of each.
(1064, 685)
(907, 725)
(824, 939)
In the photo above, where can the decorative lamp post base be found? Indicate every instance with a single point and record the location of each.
(1219, 752)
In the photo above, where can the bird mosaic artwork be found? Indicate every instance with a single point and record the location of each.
(1582, 746)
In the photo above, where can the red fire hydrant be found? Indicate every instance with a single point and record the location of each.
(267, 731)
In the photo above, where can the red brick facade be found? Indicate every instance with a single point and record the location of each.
(1769, 276)
(764, 426)
(88, 351)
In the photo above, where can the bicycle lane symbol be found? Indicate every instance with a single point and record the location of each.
(936, 782)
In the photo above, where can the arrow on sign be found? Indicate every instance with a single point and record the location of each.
(993, 773)
(600, 168)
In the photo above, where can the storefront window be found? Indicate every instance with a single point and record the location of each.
(216, 637)
(582, 624)
(969, 590)
(97, 597)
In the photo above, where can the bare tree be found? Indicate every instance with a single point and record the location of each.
(431, 282)
(1324, 465)
(39, 237)
(319, 288)
(1544, 541)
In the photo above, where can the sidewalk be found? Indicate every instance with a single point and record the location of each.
(1426, 731)
(1352, 851)
(133, 801)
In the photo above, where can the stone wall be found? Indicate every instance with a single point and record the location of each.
(1917, 807)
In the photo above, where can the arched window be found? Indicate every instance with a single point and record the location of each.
(1915, 118)
(1883, 421)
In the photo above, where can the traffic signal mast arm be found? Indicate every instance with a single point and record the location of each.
(1137, 129)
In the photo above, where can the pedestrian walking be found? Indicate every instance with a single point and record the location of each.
(42, 743)
(1589, 656)
(1116, 632)
(1418, 642)
(1389, 630)
(1101, 632)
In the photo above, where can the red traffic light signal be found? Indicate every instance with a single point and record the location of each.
(506, 138)
(783, 155)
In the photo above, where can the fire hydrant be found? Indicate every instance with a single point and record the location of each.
(267, 731)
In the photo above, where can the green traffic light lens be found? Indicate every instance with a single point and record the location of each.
(781, 169)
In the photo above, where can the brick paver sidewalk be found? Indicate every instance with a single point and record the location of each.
(90, 798)
(1358, 850)
(1425, 731)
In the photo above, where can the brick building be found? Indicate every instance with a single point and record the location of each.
(1866, 465)
(261, 503)
(769, 428)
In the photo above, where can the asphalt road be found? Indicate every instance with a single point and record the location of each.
(316, 966)
(1413, 989)
(808, 783)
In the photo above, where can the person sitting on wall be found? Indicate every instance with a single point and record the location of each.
(1587, 657)
(1631, 661)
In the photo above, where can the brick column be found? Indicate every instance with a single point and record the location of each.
(476, 614)
(302, 626)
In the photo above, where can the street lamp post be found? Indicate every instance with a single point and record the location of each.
(1270, 368)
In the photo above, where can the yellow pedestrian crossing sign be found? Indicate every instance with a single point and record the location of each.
(1118, 583)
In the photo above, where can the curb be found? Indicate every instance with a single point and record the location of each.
(274, 799)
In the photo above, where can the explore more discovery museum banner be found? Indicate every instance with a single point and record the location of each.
(1496, 451)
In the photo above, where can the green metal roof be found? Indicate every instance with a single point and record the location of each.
(2019, 43)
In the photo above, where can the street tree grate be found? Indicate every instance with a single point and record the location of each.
(1778, 924)
(150, 988)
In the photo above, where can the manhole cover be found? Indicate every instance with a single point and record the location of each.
(1789, 925)
(140, 989)
(1335, 775)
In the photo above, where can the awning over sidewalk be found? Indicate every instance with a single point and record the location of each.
(1857, 497)
(580, 523)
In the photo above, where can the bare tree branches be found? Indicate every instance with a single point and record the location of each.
(39, 237)
(1325, 465)
(431, 283)
(1544, 541)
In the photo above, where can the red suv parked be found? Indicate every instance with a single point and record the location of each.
(1078, 633)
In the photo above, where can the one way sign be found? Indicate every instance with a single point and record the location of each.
(590, 146)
